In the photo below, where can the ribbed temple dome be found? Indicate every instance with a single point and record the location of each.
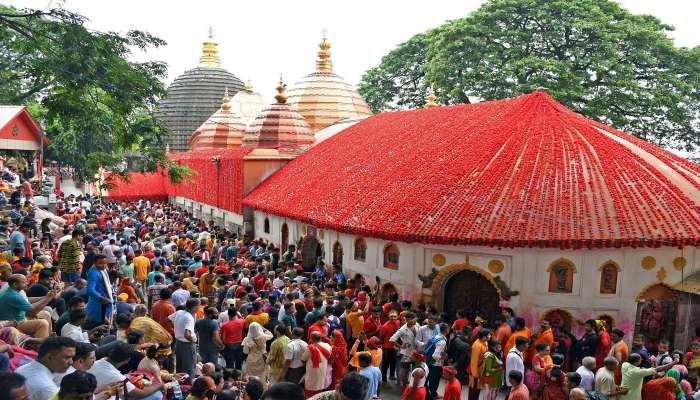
(224, 129)
(248, 104)
(280, 125)
(194, 96)
(323, 97)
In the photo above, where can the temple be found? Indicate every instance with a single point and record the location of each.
(518, 202)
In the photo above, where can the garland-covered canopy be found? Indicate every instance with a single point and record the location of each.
(518, 172)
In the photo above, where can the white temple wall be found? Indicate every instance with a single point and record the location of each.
(524, 270)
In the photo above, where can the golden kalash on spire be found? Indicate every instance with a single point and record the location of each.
(431, 98)
(226, 101)
(210, 52)
(324, 64)
(323, 97)
(281, 97)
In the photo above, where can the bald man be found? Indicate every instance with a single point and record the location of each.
(577, 394)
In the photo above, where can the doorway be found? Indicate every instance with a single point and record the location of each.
(657, 308)
(310, 252)
(472, 292)
(285, 238)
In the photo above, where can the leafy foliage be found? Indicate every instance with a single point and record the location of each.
(94, 103)
(592, 55)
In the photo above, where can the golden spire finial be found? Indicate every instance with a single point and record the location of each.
(281, 96)
(431, 98)
(324, 64)
(167, 148)
(210, 52)
(248, 86)
(226, 103)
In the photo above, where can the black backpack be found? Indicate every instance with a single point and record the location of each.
(595, 395)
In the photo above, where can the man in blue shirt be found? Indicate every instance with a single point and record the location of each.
(373, 375)
(100, 301)
(15, 307)
(18, 241)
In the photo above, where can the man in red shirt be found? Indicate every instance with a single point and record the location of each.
(453, 388)
(232, 336)
(162, 309)
(373, 322)
(518, 391)
(320, 326)
(203, 269)
(389, 352)
(259, 280)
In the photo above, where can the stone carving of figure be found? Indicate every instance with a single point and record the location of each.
(561, 276)
(652, 319)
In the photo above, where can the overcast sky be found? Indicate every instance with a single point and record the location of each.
(258, 40)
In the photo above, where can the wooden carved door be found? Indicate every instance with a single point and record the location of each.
(471, 291)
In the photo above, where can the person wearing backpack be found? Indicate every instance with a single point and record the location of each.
(435, 355)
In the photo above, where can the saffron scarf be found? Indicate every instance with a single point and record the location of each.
(316, 351)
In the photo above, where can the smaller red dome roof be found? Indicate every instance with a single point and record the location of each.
(224, 129)
(280, 125)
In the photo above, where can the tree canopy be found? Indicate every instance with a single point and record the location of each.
(592, 55)
(94, 103)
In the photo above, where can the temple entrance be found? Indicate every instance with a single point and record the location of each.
(285, 238)
(388, 290)
(657, 308)
(310, 252)
(471, 291)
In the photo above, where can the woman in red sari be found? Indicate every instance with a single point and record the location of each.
(339, 357)
(603, 348)
(660, 389)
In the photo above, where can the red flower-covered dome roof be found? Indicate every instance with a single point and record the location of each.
(518, 172)
(280, 125)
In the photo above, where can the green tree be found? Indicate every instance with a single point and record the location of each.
(94, 103)
(592, 55)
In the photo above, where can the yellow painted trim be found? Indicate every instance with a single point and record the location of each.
(444, 274)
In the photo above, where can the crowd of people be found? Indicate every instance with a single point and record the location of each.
(142, 300)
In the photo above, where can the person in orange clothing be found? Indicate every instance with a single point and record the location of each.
(126, 288)
(371, 346)
(162, 309)
(520, 331)
(503, 331)
(141, 266)
(620, 351)
(604, 344)
(544, 335)
(476, 363)
(453, 389)
(356, 320)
